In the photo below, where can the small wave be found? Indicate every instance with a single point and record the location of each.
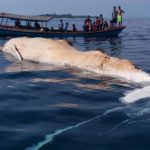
(136, 95)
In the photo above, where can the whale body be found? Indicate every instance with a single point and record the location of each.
(60, 52)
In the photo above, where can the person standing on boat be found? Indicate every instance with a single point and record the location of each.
(66, 26)
(61, 25)
(101, 21)
(74, 29)
(97, 23)
(120, 13)
(114, 16)
(87, 23)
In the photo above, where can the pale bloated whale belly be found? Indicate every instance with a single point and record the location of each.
(61, 53)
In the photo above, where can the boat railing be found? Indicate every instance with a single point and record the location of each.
(24, 28)
(7, 26)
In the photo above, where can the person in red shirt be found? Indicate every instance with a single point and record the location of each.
(87, 23)
(97, 23)
(94, 26)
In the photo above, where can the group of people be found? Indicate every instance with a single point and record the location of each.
(117, 16)
(28, 25)
(66, 27)
(101, 24)
(89, 25)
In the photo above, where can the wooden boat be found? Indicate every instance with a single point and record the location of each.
(10, 28)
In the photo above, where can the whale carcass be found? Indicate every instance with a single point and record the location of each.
(60, 52)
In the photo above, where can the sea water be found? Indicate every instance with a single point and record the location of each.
(46, 107)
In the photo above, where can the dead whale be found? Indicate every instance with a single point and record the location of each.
(60, 52)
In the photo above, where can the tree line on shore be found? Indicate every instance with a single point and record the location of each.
(66, 15)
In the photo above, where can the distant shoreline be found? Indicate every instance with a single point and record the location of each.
(84, 16)
(66, 16)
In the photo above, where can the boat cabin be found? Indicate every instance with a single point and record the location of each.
(24, 22)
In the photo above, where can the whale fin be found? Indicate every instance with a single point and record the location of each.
(136, 95)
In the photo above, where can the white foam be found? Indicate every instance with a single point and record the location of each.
(136, 75)
(136, 95)
(50, 137)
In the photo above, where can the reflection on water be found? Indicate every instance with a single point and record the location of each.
(106, 45)
(79, 78)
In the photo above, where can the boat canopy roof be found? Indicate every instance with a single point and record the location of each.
(27, 18)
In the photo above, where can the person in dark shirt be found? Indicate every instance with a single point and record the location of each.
(74, 29)
(105, 25)
(61, 25)
(66, 26)
(101, 21)
(28, 25)
(114, 17)
(17, 23)
(37, 25)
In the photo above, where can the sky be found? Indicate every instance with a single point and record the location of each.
(132, 8)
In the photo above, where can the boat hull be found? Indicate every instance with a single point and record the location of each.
(33, 33)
